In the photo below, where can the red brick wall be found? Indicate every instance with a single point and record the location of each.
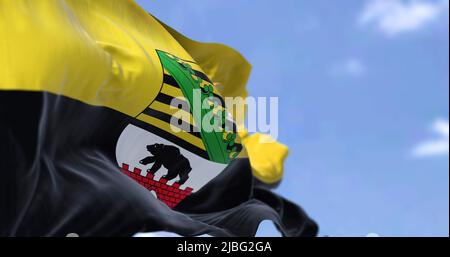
(170, 195)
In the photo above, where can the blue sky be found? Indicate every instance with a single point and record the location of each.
(363, 88)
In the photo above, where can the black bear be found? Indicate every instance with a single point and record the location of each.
(169, 157)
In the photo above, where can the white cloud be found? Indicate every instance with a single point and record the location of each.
(393, 17)
(438, 146)
(350, 67)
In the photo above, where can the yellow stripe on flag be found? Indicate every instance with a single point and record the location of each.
(172, 91)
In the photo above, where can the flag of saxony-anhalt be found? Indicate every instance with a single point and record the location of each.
(100, 134)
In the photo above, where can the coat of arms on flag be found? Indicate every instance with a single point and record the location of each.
(173, 155)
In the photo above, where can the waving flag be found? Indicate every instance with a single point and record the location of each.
(100, 134)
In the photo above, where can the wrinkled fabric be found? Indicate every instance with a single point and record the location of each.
(57, 176)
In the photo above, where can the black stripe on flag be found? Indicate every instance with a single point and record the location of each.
(169, 80)
(167, 99)
(202, 76)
